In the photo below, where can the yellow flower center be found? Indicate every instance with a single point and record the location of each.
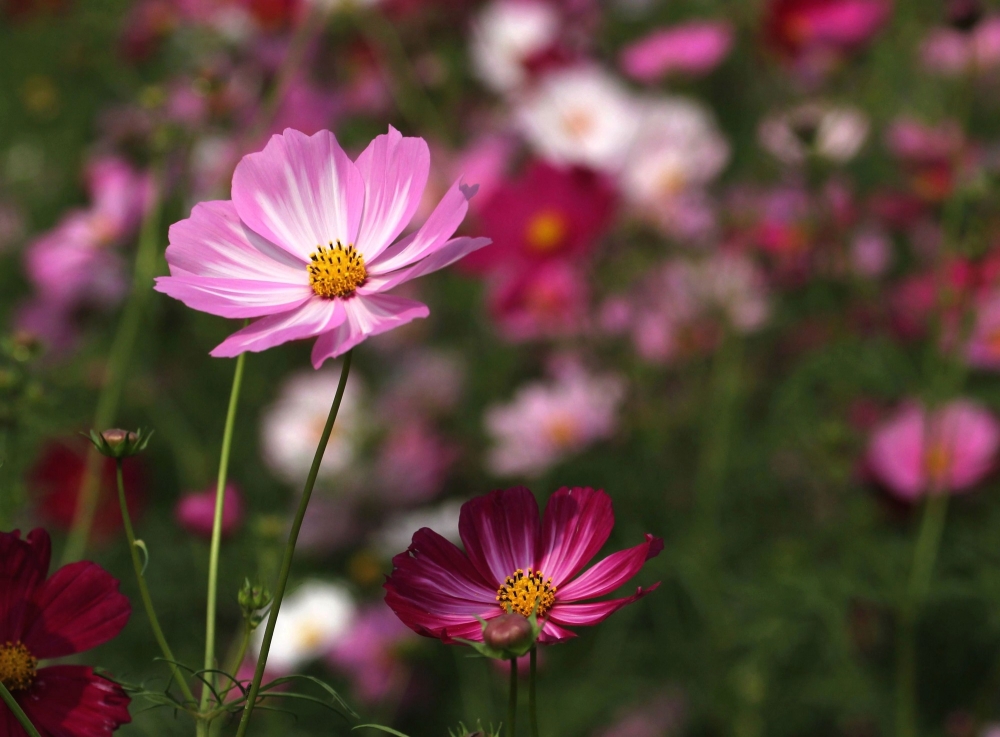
(17, 666)
(523, 592)
(937, 461)
(336, 270)
(546, 231)
(562, 431)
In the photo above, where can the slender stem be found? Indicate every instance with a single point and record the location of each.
(237, 660)
(293, 536)
(220, 505)
(115, 373)
(147, 602)
(19, 714)
(924, 557)
(512, 700)
(532, 702)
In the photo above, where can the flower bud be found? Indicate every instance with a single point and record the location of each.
(117, 443)
(253, 598)
(509, 632)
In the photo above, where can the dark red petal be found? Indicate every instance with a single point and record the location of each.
(9, 726)
(434, 624)
(576, 525)
(23, 566)
(78, 608)
(72, 701)
(594, 612)
(610, 573)
(500, 532)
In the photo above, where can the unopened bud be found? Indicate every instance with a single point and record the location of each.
(253, 598)
(118, 443)
(508, 632)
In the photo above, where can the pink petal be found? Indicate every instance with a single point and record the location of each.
(576, 524)
(896, 452)
(695, 48)
(366, 316)
(300, 192)
(312, 318)
(234, 297)
(552, 632)
(610, 573)
(433, 234)
(394, 170)
(79, 607)
(972, 436)
(449, 253)
(215, 242)
(435, 565)
(500, 532)
(596, 611)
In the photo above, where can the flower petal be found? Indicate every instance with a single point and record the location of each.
(610, 573)
(299, 192)
(500, 532)
(234, 297)
(73, 700)
(23, 567)
(576, 524)
(594, 612)
(215, 242)
(312, 318)
(449, 253)
(394, 170)
(78, 608)
(433, 234)
(367, 315)
(552, 632)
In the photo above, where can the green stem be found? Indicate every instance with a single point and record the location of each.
(532, 709)
(512, 700)
(293, 536)
(147, 602)
(115, 373)
(19, 714)
(220, 503)
(237, 660)
(924, 557)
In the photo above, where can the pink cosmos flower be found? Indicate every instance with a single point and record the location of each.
(195, 512)
(693, 48)
(548, 301)
(370, 654)
(797, 27)
(308, 243)
(917, 452)
(414, 461)
(952, 52)
(516, 561)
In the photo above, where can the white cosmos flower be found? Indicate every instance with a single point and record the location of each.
(833, 133)
(505, 35)
(580, 115)
(314, 618)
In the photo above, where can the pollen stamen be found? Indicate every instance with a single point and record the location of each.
(17, 666)
(336, 270)
(527, 592)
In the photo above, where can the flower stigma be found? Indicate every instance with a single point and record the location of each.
(527, 593)
(336, 271)
(17, 666)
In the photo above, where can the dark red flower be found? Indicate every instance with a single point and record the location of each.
(797, 27)
(41, 617)
(516, 561)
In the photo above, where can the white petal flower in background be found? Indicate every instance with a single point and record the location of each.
(830, 132)
(506, 35)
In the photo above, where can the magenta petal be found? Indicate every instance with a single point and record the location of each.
(300, 192)
(594, 612)
(896, 452)
(576, 524)
(71, 700)
(367, 315)
(394, 170)
(24, 564)
(312, 318)
(610, 573)
(552, 632)
(235, 297)
(78, 608)
(433, 234)
(500, 532)
(449, 253)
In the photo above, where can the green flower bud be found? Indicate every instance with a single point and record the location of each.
(117, 443)
(253, 599)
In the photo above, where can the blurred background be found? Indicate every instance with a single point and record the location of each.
(746, 278)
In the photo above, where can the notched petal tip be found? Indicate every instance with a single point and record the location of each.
(655, 547)
(469, 190)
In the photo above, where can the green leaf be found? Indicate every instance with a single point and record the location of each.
(388, 730)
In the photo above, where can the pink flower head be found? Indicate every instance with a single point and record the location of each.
(548, 301)
(983, 350)
(953, 52)
(693, 48)
(547, 212)
(797, 27)
(42, 617)
(917, 452)
(195, 512)
(370, 654)
(516, 561)
(414, 461)
(308, 243)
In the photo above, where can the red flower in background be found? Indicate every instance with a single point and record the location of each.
(514, 560)
(800, 27)
(79, 607)
(543, 214)
(56, 479)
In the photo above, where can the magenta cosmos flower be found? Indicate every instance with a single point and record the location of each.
(308, 243)
(515, 560)
(75, 609)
